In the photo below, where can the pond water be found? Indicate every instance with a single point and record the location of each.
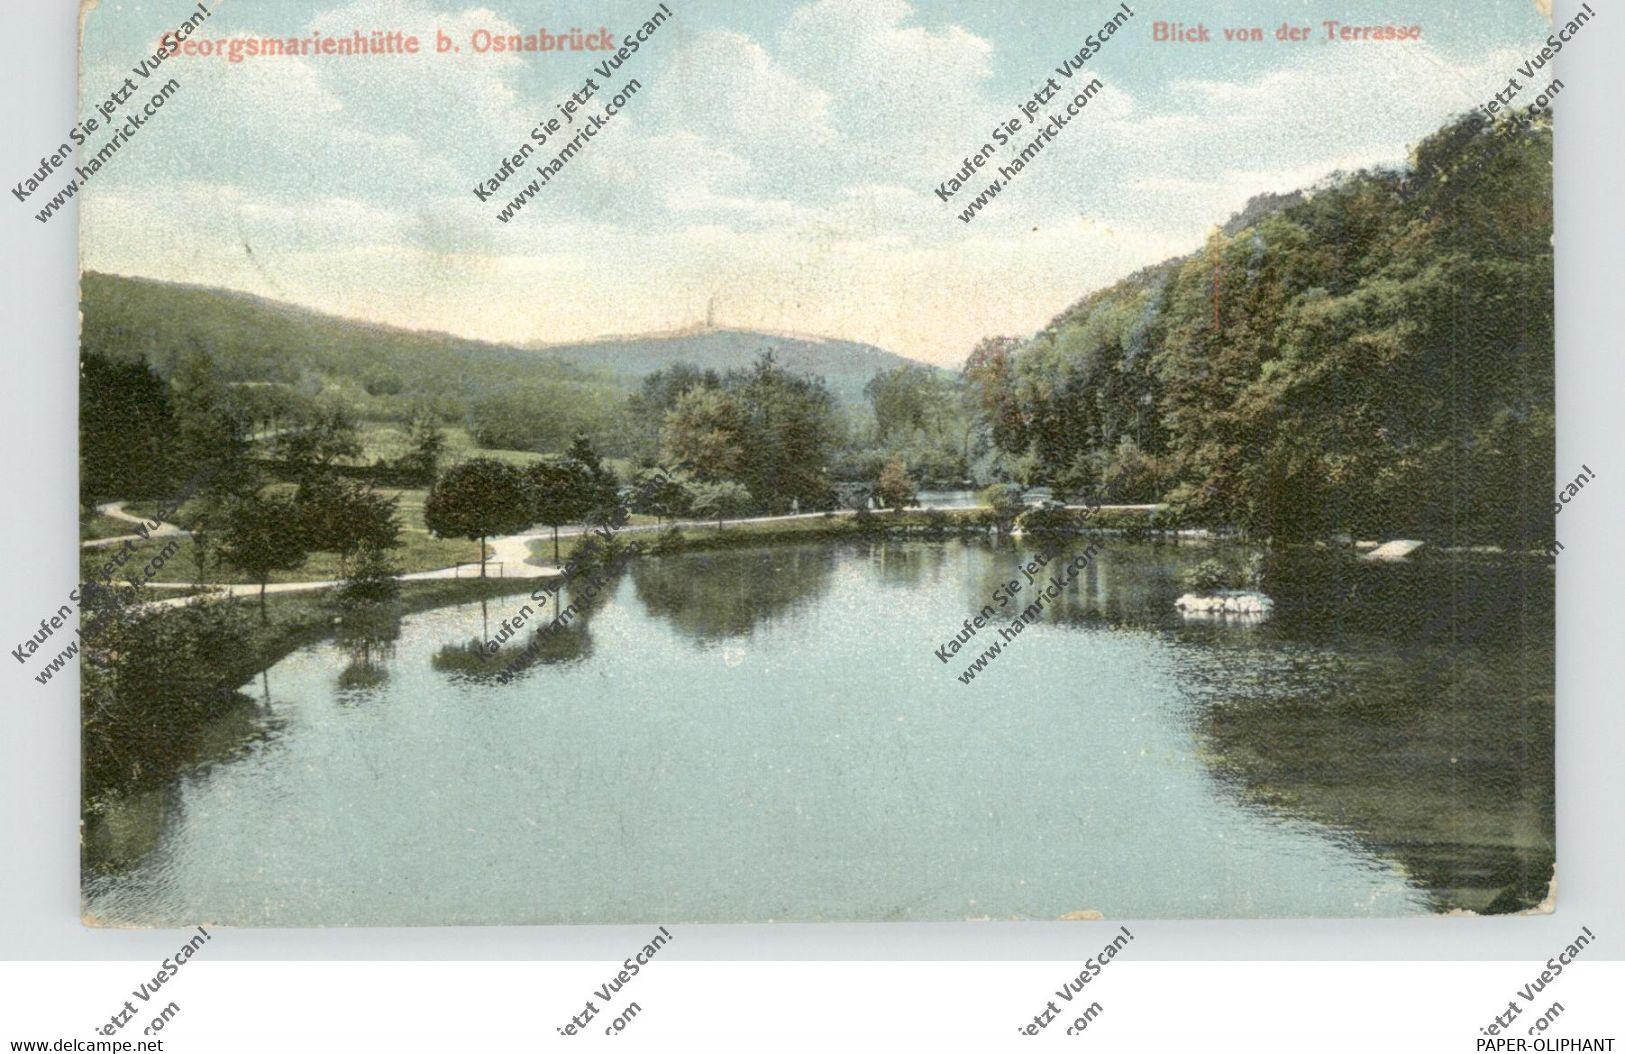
(946, 499)
(970, 499)
(768, 734)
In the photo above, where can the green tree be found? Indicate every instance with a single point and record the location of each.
(372, 579)
(606, 488)
(987, 381)
(561, 490)
(894, 489)
(646, 409)
(913, 401)
(125, 428)
(721, 500)
(262, 535)
(268, 405)
(790, 429)
(327, 435)
(211, 442)
(341, 516)
(660, 495)
(477, 499)
(705, 430)
(426, 445)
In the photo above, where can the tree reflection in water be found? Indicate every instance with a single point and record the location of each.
(714, 596)
(474, 661)
(369, 631)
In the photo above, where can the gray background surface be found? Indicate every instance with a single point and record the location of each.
(39, 880)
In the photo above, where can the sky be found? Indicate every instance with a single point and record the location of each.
(777, 164)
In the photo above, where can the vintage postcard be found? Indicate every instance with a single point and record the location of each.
(812, 460)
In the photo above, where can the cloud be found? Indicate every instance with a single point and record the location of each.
(899, 91)
(751, 103)
(786, 170)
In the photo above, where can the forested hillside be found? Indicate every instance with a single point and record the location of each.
(276, 356)
(1373, 356)
(844, 365)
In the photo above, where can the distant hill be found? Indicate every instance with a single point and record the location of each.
(252, 339)
(846, 365)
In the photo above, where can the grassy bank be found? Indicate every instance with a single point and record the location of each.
(293, 620)
(697, 538)
(96, 525)
(418, 551)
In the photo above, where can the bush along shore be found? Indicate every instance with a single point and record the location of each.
(162, 686)
(898, 523)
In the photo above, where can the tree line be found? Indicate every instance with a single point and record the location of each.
(1374, 356)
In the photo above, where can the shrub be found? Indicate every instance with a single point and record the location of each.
(1212, 575)
(1207, 577)
(1004, 501)
(154, 682)
(611, 550)
(372, 578)
(1049, 518)
(670, 540)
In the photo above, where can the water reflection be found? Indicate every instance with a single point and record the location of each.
(474, 660)
(368, 632)
(716, 596)
(128, 821)
(903, 563)
(1120, 585)
(1400, 704)
(1380, 737)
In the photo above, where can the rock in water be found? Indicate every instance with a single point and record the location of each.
(1227, 602)
(1398, 549)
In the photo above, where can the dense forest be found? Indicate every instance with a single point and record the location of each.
(1374, 356)
(273, 361)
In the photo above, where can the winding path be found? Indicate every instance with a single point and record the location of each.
(115, 510)
(511, 551)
